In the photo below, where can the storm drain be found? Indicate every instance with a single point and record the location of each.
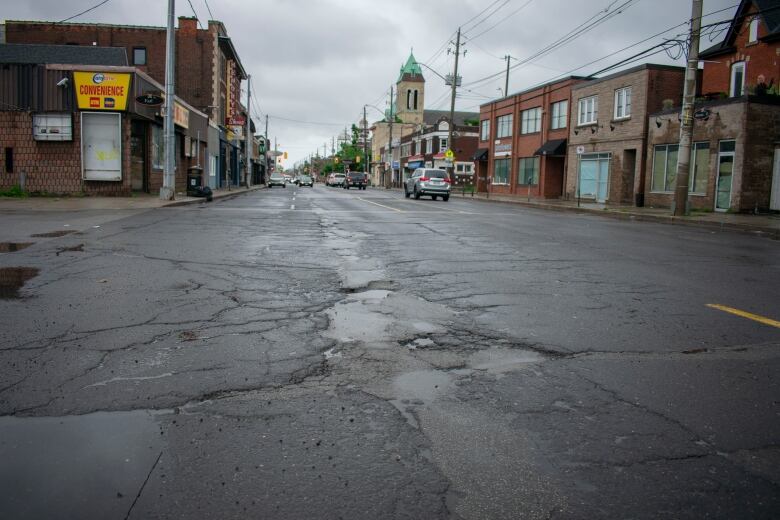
(13, 278)
(10, 247)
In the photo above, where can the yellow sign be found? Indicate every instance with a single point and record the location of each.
(181, 116)
(449, 154)
(102, 90)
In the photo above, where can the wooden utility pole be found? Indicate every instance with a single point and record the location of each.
(506, 81)
(249, 138)
(450, 144)
(265, 148)
(366, 162)
(686, 127)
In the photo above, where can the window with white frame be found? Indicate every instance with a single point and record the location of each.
(442, 144)
(531, 120)
(753, 31)
(484, 130)
(664, 167)
(429, 145)
(623, 103)
(559, 112)
(464, 168)
(504, 126)
(406, 150)
(737, 79)
(501, 171)
(588, 110)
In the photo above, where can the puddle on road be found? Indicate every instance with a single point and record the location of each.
(73, 249)
(421, 385)
(85, 466)
(502, 359)
(10, 247)
(13, 278)
(53, 234)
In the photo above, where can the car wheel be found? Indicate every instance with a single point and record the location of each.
(433, 197)
(445, 198)
(416, 194)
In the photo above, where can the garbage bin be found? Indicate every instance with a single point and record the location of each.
(194, 179)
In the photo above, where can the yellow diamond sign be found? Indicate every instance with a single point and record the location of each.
(449, 154)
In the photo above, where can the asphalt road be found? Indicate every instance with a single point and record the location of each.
(322, 353)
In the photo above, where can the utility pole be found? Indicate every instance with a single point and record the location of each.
(168, 190)
(366, 162)
(506, 82)
(249, 139)
(390, 140)
(686, 126)
(265, 146)
(275, 154)
(451, 169)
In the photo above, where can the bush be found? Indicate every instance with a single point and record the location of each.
(14, 191)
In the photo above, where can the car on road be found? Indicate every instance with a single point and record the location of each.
(277, 179)
(335, 179)
(357, 180)
(305, 180)
(427, 181)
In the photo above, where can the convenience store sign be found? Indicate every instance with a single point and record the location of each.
(102, 90)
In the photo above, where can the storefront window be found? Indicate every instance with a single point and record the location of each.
(501, 171)
(528, 171)
(158, 148)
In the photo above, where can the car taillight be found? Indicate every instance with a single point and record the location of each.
(447, 180)
(424, 179)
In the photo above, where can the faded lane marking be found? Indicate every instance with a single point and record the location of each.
(745, 314)
(381, 205)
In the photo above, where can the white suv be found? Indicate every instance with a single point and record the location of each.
(427, 181)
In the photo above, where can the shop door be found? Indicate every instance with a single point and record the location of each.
(774, 201)
(725, 175)
(138, 170)
(594, 176)
(101, 146)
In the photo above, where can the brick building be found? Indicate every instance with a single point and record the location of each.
(70, 123)
(522, 141)
(735, 159)
(425, 148)
(606, 159)
(208, 74)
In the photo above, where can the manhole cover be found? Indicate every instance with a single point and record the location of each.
(13, 278)
(10, 247)
(51, 234)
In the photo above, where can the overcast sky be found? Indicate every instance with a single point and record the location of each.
(320, 61)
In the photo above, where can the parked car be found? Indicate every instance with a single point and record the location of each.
(427, 181)
(305, 180)
(357, 180)
(335, 179)
(277, 179)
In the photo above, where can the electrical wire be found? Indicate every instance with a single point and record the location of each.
(196, 14)
(303, 122)
(84, 11)
(211, 16)
(504, 19)
(488, 16)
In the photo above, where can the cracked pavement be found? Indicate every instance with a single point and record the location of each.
(367, 356)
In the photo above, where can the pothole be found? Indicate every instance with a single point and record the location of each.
(376, 285)
(72, 249)
(13, 278)
(10, 247)
(53, 234)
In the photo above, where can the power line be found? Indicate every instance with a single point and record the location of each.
(504, 19)
(478, 14)
(487, 17)
(304, 122)
(196, 14)
(211, 16)
(84, 12)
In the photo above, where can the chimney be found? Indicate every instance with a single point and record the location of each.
(188, 24)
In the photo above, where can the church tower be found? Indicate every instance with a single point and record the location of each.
(410, 92)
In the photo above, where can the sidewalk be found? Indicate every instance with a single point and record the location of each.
(137, 201)
(767, 224)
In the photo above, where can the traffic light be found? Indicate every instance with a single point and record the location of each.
(336, 160)
(285, 156)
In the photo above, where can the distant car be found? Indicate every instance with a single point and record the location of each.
(277, 179)
(336, 179)
(287, 178)
(305, 180)
(427, 181)
(357, 180)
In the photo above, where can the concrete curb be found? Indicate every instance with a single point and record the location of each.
(770, 232)
(219, 196)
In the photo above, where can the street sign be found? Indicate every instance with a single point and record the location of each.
(449, 154)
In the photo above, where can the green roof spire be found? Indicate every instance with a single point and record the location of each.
(411, 67)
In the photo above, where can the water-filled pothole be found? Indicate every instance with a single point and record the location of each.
(376, 285)
(10, 247)
(13, 278)
(52, 234)
(72, 249)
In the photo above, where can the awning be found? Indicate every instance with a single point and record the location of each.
(481, 154)
(414, 164)
(552, 147)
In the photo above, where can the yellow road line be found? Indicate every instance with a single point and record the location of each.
(381, 205)
(744, 314)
